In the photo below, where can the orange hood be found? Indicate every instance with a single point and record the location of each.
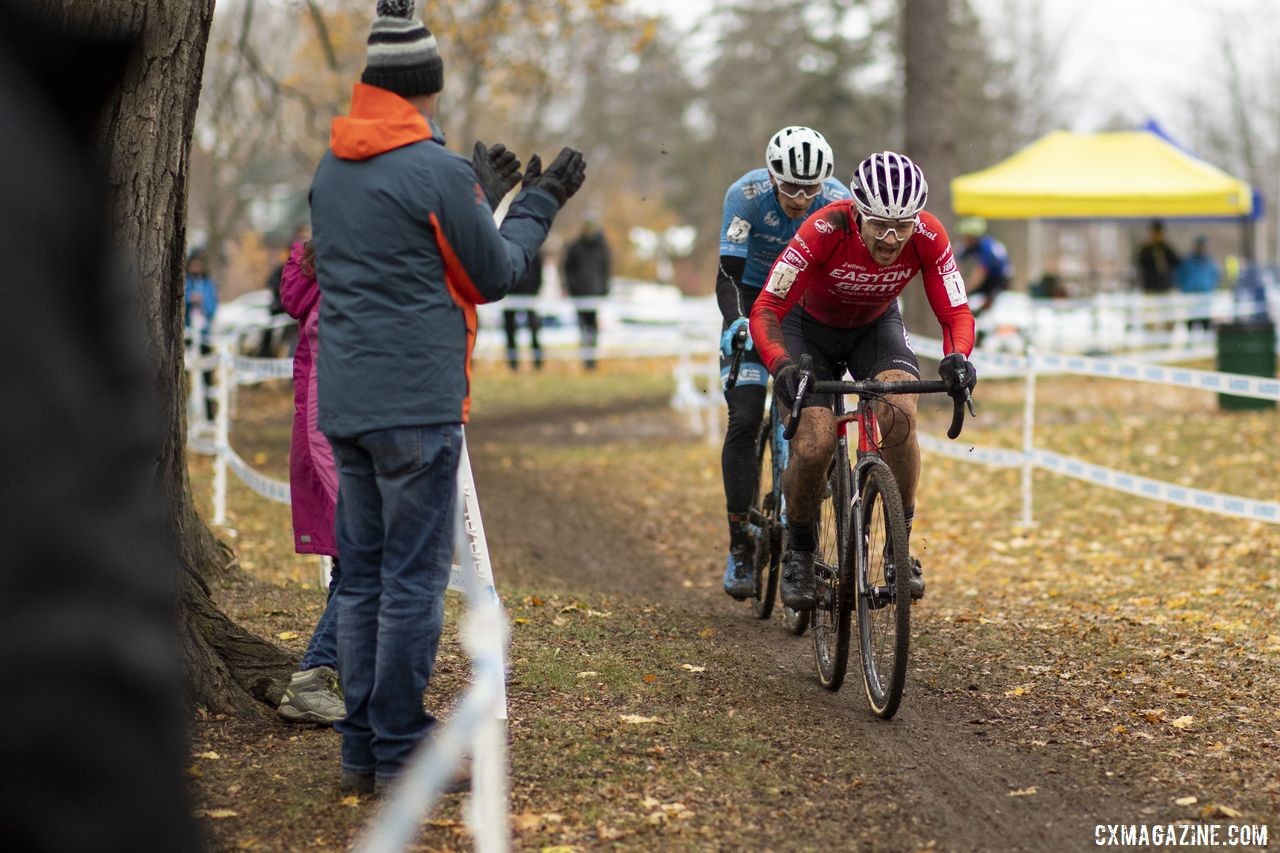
(380, 121)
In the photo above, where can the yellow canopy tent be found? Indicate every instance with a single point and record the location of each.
(1100, 176)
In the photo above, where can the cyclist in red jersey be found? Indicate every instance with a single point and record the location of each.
(832, 294)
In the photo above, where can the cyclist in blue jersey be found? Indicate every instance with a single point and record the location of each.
(991, 269)
(762, 211)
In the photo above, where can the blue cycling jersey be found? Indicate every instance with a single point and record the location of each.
(991, 255)
(755, 227)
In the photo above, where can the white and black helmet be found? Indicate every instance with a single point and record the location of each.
(889, 186)
(799, 155)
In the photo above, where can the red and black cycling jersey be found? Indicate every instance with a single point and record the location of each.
(828, 270)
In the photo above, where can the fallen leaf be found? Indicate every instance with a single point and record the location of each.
(637, 720)
(1152, 715)
(1023, 792)
(287, 635)
(1183, 722)
(693, 668)
(350, 802)
(520, 620)
(1185, 801)
(1215, 810)
(1021, 690)
(588, 673)
(216, 814)
(649, 678)
(707, 632)
(211, 755)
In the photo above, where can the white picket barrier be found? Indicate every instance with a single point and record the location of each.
(477, 725)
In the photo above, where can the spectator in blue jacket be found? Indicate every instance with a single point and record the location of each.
(1199, 273)
(201, 306)
(406, 247)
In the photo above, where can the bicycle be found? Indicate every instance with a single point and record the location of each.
(767, 516)
(862, 535)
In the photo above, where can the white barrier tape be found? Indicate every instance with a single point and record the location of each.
(1110, 478)
(250, 370)
(1157, 489)
(994, 457)
(1233, 383)
(273, 490)
(1238, 384)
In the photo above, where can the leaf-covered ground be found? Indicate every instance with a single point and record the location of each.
(1117, 663)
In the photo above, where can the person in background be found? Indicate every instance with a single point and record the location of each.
(313, 694)
(530, 285)
(1199, 275)
(406, 247)
(1156, 261)
(988, 263)
(273, 338)
(201, 307)
(587, 267)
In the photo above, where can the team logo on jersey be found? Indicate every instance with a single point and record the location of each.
(771, 219)
(955, 289)
(791, 256)
(781, 277)
(738, 230)
(823, 226)
(924, 229)
(750, 191)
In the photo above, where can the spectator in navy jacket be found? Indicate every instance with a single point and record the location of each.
(406, 247)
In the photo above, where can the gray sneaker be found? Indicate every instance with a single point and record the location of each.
(313, 696)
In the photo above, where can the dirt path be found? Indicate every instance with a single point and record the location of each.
(947, 771)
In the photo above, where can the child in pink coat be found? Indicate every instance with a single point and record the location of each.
(313, 694)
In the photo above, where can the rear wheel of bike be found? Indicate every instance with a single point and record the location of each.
(879, 536)
(834, 578)
(766, 514)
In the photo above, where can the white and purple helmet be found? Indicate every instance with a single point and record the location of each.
(889, 186)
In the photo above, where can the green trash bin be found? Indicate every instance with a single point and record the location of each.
(1248, 348)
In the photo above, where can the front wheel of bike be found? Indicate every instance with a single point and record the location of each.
(834, 579)
(879, 538)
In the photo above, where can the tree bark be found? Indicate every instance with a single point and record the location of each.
(928, 119)
(146, 140)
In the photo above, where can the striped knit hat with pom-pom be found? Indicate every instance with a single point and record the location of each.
(402, 52)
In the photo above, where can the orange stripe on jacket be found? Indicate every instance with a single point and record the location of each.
(465, 295)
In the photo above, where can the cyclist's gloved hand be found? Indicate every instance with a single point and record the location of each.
(726, 339)
(786, 384)
(498, 169)
(562, 178)
(958, 372)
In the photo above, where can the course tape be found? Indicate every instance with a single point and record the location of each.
(1260, 387)
(250, 370)
(270, 489)
(1110, 478)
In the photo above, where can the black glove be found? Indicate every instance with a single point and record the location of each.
(563, 177)
(498, 169)
(958, 372)
(786, 384)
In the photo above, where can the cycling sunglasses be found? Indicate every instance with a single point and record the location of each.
(882, 228)
(797, 191)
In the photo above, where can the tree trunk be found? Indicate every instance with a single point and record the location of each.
(146, 139)
(928, 121)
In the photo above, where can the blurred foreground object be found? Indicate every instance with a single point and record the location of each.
(91, 739)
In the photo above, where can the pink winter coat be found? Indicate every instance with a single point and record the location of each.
(313, 478)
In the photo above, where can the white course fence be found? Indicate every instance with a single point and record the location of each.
(477, 725)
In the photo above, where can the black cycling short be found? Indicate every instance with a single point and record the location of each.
(865, 352)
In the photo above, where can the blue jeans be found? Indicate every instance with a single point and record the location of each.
(396, 490)
(323, 648)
